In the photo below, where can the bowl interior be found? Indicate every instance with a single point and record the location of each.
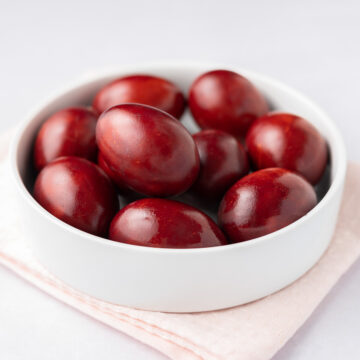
(279, 96)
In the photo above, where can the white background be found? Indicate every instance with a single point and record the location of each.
(311, 45)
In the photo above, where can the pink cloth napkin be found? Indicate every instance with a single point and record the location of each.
(255, 331)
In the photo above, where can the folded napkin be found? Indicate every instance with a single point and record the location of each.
(255, 331)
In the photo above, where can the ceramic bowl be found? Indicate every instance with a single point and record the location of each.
(177, 280)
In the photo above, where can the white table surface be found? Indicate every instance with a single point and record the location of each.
(311, 45)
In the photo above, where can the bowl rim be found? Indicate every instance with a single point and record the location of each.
(338, 146)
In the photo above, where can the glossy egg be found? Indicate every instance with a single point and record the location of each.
(68, 132)
(223, 161)
(77, 192)
(287, 141)
(227, 101)
(165, 224)
(264, 201)
(149, 150)
(141, 89)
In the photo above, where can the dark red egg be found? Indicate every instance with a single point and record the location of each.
(264, 201)
(165, 224)
(77, 192)
(290, 142)
(68, 132)
(223, 161)
(149, 150)
(141, 89)
(227, 101)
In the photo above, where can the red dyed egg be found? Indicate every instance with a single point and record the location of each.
(264, 201)
(77, 192)
(165, 224)
(225, 100)
(223, 161)
(149, 151)
(141, 89)
(68, 132)
(287, 141)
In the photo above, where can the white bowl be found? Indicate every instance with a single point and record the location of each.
(175, 280)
